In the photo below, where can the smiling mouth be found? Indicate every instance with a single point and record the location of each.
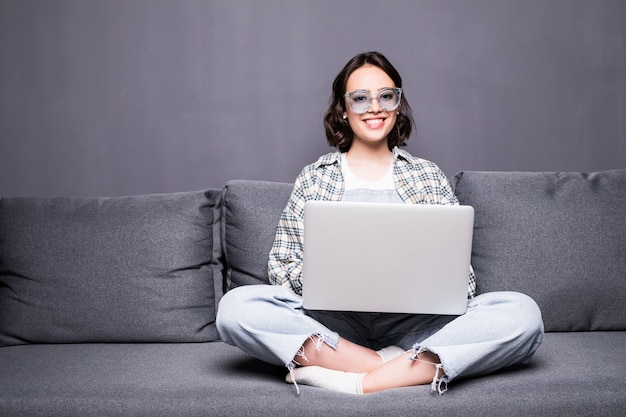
(375, 123)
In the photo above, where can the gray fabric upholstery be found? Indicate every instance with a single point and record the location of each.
(150, 269)
(558, 237)
(251, 210)
(572, 374)
(121, 269)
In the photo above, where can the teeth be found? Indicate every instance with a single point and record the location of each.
(374, 121)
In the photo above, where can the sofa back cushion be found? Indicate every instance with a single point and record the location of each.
(558, 237)
(120, 269)
(251, 210)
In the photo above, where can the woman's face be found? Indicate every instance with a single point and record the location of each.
(373, 126)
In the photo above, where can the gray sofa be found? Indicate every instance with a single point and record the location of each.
(107, 305)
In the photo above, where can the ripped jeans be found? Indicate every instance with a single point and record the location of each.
(499, 329)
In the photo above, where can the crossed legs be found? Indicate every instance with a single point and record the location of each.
(498, 330)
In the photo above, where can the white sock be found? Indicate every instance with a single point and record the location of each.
(346, 382)
(390, 352)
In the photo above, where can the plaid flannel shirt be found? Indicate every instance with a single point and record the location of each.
(417, 180)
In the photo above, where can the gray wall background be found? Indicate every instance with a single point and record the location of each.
(116, 97)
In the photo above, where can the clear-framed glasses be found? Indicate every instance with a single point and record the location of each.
(388, 99)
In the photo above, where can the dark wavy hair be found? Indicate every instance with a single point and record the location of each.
(338, 131)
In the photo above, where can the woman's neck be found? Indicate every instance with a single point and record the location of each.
(369, 163)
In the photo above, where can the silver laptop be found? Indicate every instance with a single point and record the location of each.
(387, 258)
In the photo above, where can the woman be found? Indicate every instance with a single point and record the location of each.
(368, 120)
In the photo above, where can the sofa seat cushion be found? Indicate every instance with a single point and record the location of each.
(559, 237)
(571, 374)
(119, 269)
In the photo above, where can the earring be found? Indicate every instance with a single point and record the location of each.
(398, 112)
(345, 116)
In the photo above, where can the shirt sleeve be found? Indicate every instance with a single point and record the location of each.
(285, 259)
(446, 194)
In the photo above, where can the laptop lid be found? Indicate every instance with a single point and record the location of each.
(388, 258)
